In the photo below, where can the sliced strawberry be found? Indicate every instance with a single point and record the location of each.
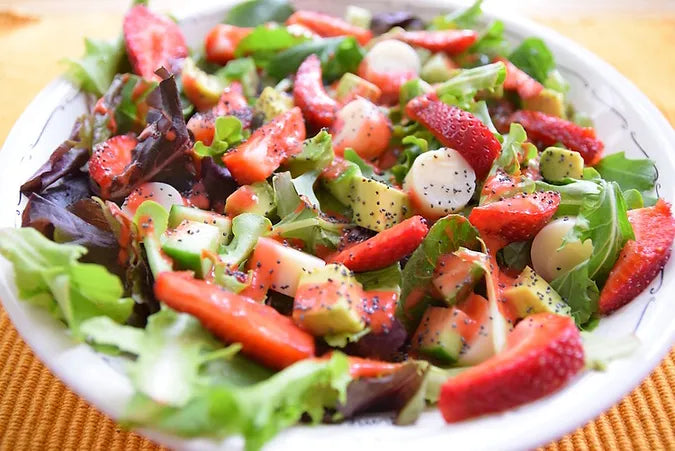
(361, 125)
(549, 130)
(309, 94)
(385, 248)
(258, 157)
(520, 81)
(110, 159)
(542, 354)
(457, 129)
(221, 42)
(231, 102)
(450, 41)
(329, 26)
(517, 218)
(640, 260)
(264, 334)
(153, 41)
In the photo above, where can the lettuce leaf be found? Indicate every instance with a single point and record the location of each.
(161, 143)
(447, 235)
(317, 153)
(491, 41)
(338, 56)
(461, 89)
(534, 57)
(49, 275)
(246, 228)
(228, 133)
(258, 12)
(67, 159)
(508, 159)
(461, 18)
(242, 70)
(639, 174)
(301, 221)
(95, 70)
(258, 410)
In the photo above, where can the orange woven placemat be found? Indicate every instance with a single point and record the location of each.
(37, 412)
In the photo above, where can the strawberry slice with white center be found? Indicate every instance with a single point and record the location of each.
(153, 41)
(542, 354)
(388, 65)
(361, 125)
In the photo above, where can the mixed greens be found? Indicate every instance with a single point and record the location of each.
(313, 217)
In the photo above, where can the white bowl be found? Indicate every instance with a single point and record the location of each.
(624, 119)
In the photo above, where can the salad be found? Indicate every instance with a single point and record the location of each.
(310, 217)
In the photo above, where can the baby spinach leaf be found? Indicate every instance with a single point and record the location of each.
(579, 291)
(338, 55)
(258, 12)
(639, 174)
(603, 219)
(534, 57)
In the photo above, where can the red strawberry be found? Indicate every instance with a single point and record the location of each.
(310, 95)
(258, 157)
(221, 42)
(542, 354)
(152, 41)
(231, 102)
(517, 80)
(641, 260)
(457, 129)
(385, 248)
(450, 41)
(517, 218)
(549, 130)
(328, 26)
(110, 159)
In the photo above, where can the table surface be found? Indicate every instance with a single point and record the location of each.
(38, 412)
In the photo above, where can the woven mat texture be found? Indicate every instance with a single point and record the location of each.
(37, 412)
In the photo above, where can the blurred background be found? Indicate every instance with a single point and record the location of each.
(637, 37)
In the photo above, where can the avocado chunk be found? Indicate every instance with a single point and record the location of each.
(456, 274)
(257, 198)
(532, 294)
(186, 242)
(556, 164)
(351, 84)
(377, 206)
(180, 213)
(438, 68)
(438, 337)
(547, 101)
(337, 179)
(273, 103)
(202, 89)
(328, 302)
